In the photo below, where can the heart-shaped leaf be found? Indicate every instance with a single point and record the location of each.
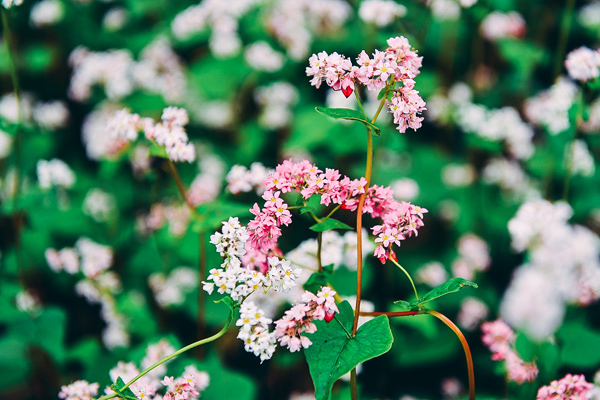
(329, 224)
(451, 286)
(348, 114)
(334, 352)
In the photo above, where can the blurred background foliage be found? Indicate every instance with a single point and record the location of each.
(57, 336)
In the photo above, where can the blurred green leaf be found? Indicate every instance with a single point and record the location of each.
(348, 114)
(329, 224)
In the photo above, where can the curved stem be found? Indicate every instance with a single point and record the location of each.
(181, 189)
(362, 110)
(465, 345)
(332, 211)
(392, 313)
(408, 275)
(202, 267)
(178, 352)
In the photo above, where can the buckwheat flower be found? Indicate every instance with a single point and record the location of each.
(282, 275)
(46, 13)
(498, 336)
(589, 15)
(10, 3)
(520, 371)
(28, 301)
(569, 387)
(95, 258)
(497, 25)
(51, 115)
(54, 173)
(550, 108)
(9, 109)
(405, 105)
(458, 175)
(432, 274)
(156, 352)
(445, 10)
(115, 19)
(79, 390)
(5, 144)
(472, 312)
(578, 159)
(380, 12)
(405, 189)
(451, 388)
(262, 57)
(99, 205)
(583, 64)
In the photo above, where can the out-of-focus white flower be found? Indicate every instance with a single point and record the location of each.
(10, 3)
(261, 56)
(405, 189)
(583, 64)
(550, 108)
(498, 25)
(458, 175)
(432, 274)
(5, 144)
(445, 10)
(115, 19)
(99, 205)
(51, 115)
(578, 159)
(46, 13)
(380, 12)
(54, 173)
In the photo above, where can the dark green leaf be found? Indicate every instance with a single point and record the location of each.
(156, 151)
(328, 225)
(351, 115)
(381, 93)
(334, 353)
(228, 301)
(580, 346)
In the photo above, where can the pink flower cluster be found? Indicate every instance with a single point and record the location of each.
(400, 219)
(180, 389)
(399, 63)
(168, 133)
(500, 338)
(571, 387)
(300, 318)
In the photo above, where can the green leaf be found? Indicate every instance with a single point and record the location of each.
(228, 301)
(156, 151)
(124, 394)
(334, 353)
(329, 224)
(453, 285)
(351, 115)
(381, 93)
(580, 346)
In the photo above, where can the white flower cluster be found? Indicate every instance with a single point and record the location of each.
(46, 13)
(432, 273)
(281, 276)
(10, 3)
(473, 256)
(578, 159)
(207, 184)
(99, 145)
(168, 133)
(221, 17)
(177, 217)
(99, 205)
(380, 12)
(498, 25)
(241, 179)
(277, 100)
(563, 268)
(154, 353)
(254, 331)
(550, 108)
(171, 290)
(49, 115)
(405, 189)
(28, 301)
(54, 173)
(472, 312)
(335, 249)
(583, 64)
(458, 175)
(158, 70)
(98, 286)
(293, 22)
(589, 15)
(511, 178)
(262, 57)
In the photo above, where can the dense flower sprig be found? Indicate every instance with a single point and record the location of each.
(169, 133)
(572, 387)
(300, 318)
(500, 339)
(400, 219)
(398, 64)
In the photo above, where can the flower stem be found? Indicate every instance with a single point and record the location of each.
(319, 246)
(178, 352)
(465, 345)
(331, 213)
(565, 29)
(408, 275)
(182, 191)
(202, 266)
(571, 155)
(353, 391)
(359, 213)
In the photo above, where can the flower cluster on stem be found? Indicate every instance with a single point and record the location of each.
(398, 64)
(573, 387)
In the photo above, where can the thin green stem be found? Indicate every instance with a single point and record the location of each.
(383, 100)
(178, 352)
(362, 110)
(331, 213)
(319, 246)
(408, 275)
(391, 314)
(465, 345)
(182, 190)
(202, 267)
(565, 29)
(317, 219)
(571, 156)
